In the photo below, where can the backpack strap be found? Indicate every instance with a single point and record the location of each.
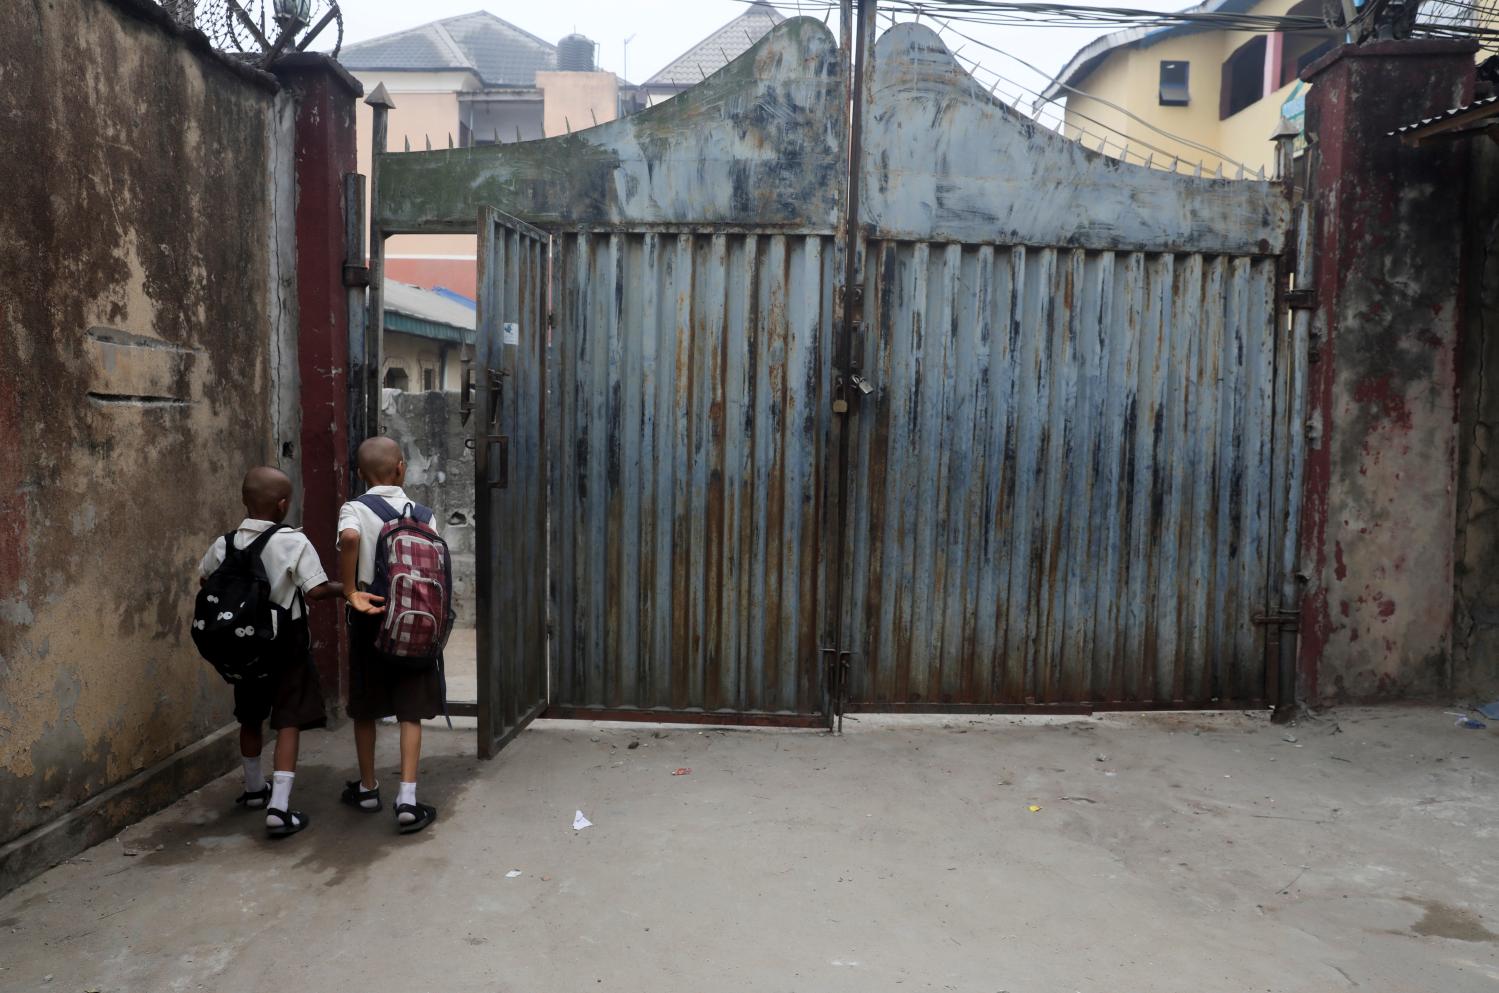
(418, 513)
(380, 506)
(253, 549)
(387, 511)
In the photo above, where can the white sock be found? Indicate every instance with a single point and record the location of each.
(406, 794)
(280, 795)
(254, 779)
(372, 802)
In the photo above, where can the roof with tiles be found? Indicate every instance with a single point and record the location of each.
(498, 52)
(718, 49)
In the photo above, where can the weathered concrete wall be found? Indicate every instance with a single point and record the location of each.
(145, 322)
(1380, 510)
(439, 473)
(1475, 667)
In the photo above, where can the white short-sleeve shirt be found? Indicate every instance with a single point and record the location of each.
(355, 516)
(291, 563)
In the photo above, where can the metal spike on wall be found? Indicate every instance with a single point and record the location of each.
(594, 116)
(497, 134)
(1220, 168)
(1262, 173)
(567, 124)
(1241, 171)
(1150, 160)
(1199, 169)
(428, 139)
(1176, 162)
(517, 133)
(407, 140)
(450, 139)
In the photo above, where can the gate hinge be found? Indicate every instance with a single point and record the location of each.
(1303, 299)
(356, 275)
(1278, 617)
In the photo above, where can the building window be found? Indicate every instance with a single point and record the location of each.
(1243, 78)
(429, 380)
(396, 378)
(1299, 49)
(1174, 84)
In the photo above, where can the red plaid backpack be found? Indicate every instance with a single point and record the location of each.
(415, 576)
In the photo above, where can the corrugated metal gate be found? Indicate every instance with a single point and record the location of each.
(1065, 485)
(689, 388)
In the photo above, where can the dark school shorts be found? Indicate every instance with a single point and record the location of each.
(293, 698)
(378, 689)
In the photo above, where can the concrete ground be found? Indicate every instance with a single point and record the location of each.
(1165, 853)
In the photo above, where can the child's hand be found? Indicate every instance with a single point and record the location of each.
(366, 603)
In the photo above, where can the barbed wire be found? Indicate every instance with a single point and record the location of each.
(251, 28)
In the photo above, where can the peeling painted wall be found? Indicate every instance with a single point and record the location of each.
(1380, 509)
(142, 318)
(1476, 615)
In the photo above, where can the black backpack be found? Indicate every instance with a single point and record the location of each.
(235, 621)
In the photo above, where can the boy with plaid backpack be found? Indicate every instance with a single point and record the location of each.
(398, 584)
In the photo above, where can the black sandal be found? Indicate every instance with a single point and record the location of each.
(424, 813)
(256, 800)
(292, 821)
(355, 794)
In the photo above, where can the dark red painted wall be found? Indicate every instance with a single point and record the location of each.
(1379, 511)
(325, 152)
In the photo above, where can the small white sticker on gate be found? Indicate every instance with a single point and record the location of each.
(510, 333)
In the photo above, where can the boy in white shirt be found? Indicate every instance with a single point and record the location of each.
(376, 689)
(292, 699)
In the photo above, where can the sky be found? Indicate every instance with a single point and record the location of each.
(660, 30)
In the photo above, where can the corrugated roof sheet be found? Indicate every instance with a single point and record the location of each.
(1451, 114)
(426, 305)
(500, 53)
(719, 48)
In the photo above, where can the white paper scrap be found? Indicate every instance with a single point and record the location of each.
(512, 874)
(580, 822)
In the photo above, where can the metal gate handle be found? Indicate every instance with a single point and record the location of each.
(499, 462)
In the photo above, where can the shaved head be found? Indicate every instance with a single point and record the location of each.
(263, 490)
(381, 462)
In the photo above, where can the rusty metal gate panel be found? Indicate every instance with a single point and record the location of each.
(690, 374)
(1071, 482)
(693, 300)
(509, 426)
(1061, 491)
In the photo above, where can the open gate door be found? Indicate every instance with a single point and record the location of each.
(510, 477)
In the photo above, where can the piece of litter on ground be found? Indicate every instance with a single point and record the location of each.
(1100, 758)
(634, 744)
(1290, 737)
(1078, 799)
(1034, 809)
(1464, 721)
(682, 772)
(512, 874)
(546, 879)
(580, 822)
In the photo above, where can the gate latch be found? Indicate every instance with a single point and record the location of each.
(1278, 617)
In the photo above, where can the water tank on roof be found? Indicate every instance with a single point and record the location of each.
(575, 54)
